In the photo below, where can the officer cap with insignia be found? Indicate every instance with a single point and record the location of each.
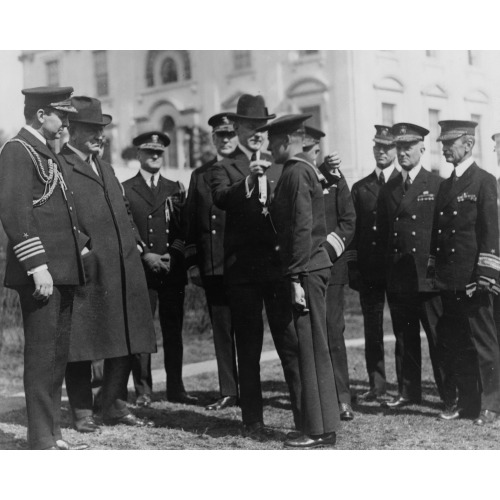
(312, 136)
(222, 122)
(89, 111)
(287, 124)
(408, 132)
(152, 140)
(453, 129)
(383, 135)
(49, 97)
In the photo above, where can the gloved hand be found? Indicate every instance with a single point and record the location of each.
(155, 262)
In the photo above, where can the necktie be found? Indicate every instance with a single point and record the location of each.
(381, 178)
(152, 183)
(407, 183)
(454, 177)
(90, 161)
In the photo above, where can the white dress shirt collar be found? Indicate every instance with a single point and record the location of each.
(37, 134)
(249, 153)
(147, 177)
(412, 173)
(462, 167)
(387, 171)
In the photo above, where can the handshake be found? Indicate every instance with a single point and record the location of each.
(157, 263)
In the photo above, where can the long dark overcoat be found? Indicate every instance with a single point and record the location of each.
(112, 313)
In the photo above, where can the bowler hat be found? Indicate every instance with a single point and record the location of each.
(408, 132)
(383, 135)
(152, 140)
(89, 111)
(286, 124)
(252, 107)
(453, 129)
(51, 97)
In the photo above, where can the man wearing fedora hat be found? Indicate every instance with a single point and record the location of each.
(156, 205)
(205, 258)
(464, 265)
(111, 315)
(242, 185)
(43, 255)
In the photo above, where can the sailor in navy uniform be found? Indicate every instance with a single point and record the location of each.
(298, 213)
(156, 204)
(404, 225)
(367, 267)
(43, 255)
(205, 259)
(464, 265)
(340, 224)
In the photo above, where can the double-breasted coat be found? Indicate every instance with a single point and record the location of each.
(111, 314)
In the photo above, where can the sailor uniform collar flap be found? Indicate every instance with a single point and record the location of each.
(454, 188)
(318, 174)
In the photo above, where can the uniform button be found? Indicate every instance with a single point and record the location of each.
(374, 212)
(214, 216)
(395, 250)
(413, 233)
(413, 250)
(167, 231)
(72, 192)
(150, 216)
(213, 231)
(455, 212)
(396, 219)
(150, 244)
(440, 213)
(168, 244)
(492, 250)
(79, 231)
(74, 228)
(439, 231)
(71, 208)
(452, 231)
(452, 250)
(374, 228)
(437, 249)
(374, 243)
(395, 234)
(150, 230)
(413, 217)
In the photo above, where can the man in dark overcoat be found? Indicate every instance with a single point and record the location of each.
(404, 225)
(464, 265)
(298, 213)
(340, 225)
(156, 205)
(111, 316)
(366, 270)
(205, 259)
(242, 185)
(496, 298)
(43, 255)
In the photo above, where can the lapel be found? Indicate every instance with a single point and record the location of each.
(372, 184)
(78, 165)
(206, 178)
(143, 190)
(398, 192)
(39, 146)
(240, 162)
(163, 192)
(454, 188)
(416, 187)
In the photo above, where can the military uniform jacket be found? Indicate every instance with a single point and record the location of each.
(369, 254)
(340, 226)
(111, 314)
(465, 232)
(404, 225)
(205, 225)
(250, 254)
(158, 217)
(298, 212)
(45, 234)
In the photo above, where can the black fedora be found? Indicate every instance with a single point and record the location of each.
(252, 107)
(89, 111)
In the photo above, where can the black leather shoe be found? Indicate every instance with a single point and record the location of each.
(399, 402)
(225, 402)
(486, 417)
(346, 412)
(369, 396)
(293, 435)
(130, 420)
(86, 424)
(453, 412)
(307, 442)
(64, 445)
(144, 401)
(183, 398)
(258, 431)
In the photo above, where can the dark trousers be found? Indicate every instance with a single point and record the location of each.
(408, 311)
(246, 301)
(320, 409)
(372, 300)
(170, 300)
(225, 348)
(47, 328)
(335, 325)
(471, 357)
(114, 387)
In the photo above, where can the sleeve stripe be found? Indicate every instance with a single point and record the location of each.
(32, 255)
(178, 245)
(24, 243)
(26, 248)
(190, 251)
(336, 242)
(489, 260)
(29, 251)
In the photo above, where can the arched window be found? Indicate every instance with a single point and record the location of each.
(168, 72)
(169, 128)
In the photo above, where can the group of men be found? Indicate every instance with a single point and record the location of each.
(255, 230)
